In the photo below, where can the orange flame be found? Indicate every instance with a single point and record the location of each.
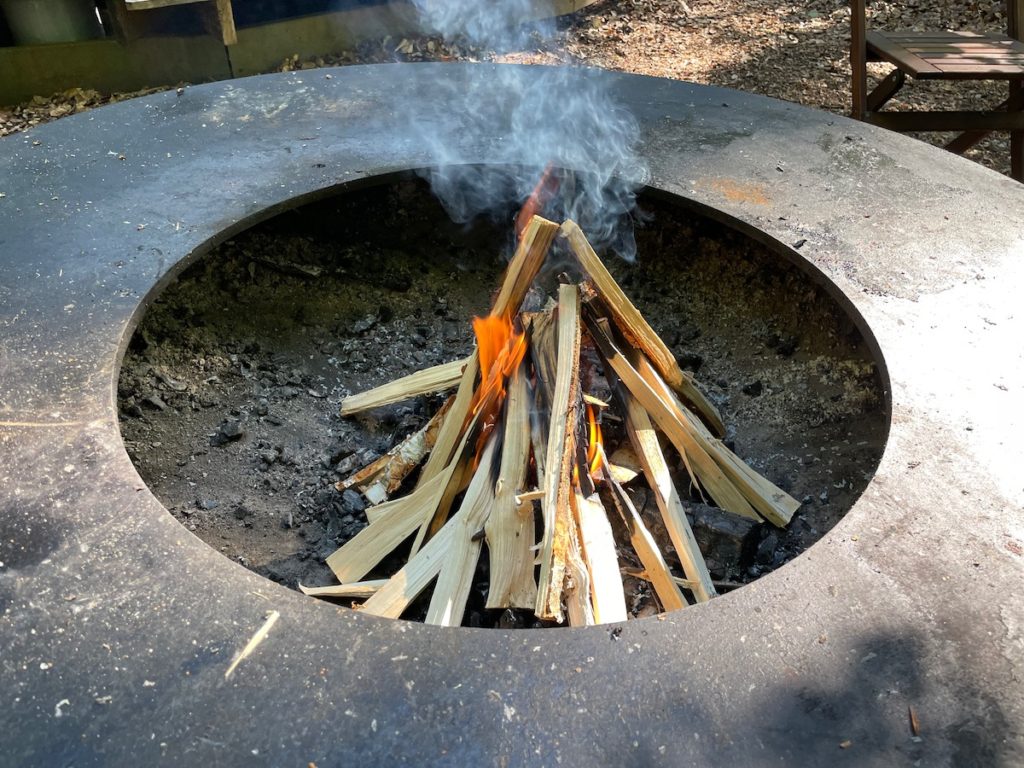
(542, 193)
(500, 349)
(595, 443)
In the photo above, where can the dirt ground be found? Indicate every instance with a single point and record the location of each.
(792, 51)
(229, 391)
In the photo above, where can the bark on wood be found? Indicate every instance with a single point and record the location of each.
(635, 328)
(435, 379)
(561, 452)
(379, 479)
(510, 528)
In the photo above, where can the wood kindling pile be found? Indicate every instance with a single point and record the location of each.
(514, 461)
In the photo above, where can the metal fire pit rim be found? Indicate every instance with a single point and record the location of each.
(831, 649)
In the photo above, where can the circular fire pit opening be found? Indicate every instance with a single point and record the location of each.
(230, 388)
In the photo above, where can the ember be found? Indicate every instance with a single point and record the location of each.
(520, 430)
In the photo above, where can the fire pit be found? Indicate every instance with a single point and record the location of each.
(232, 416)
(127, 639)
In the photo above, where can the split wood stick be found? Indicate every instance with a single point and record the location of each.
(561, 452)
(640, 573)
(522, 269)
(450, 434)
(393, 523)
(486, 408)
(669, 504)
(525, 264)
(598, 546)
(544, 353)
(510, 528)
(773, 503)
(635, 327)
(646, 548)
(576, 589)
(454, 478)
(679, 432)
(448, 602)
(358, 589)
(435, 379)
(394, 597)
(648, 450)
(381, 478)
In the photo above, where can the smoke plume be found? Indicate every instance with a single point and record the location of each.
(560, 116)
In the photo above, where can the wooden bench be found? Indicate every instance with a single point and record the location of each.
(943, 56)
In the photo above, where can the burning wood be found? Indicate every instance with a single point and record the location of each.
(521, 430)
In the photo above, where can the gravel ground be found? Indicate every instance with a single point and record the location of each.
(792, 51)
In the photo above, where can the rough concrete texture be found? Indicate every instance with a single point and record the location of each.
(117, 625)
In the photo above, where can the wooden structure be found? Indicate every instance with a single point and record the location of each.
(136, 58)
(943, 56)
(218, 15)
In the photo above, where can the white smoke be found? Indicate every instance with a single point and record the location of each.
(559, 116)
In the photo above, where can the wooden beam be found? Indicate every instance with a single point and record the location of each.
(947, 121)
(885, 90)
(225, 22)
(858, 58)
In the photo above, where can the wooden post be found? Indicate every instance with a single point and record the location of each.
(220, 20)
(1015, 29)
(858, 58)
